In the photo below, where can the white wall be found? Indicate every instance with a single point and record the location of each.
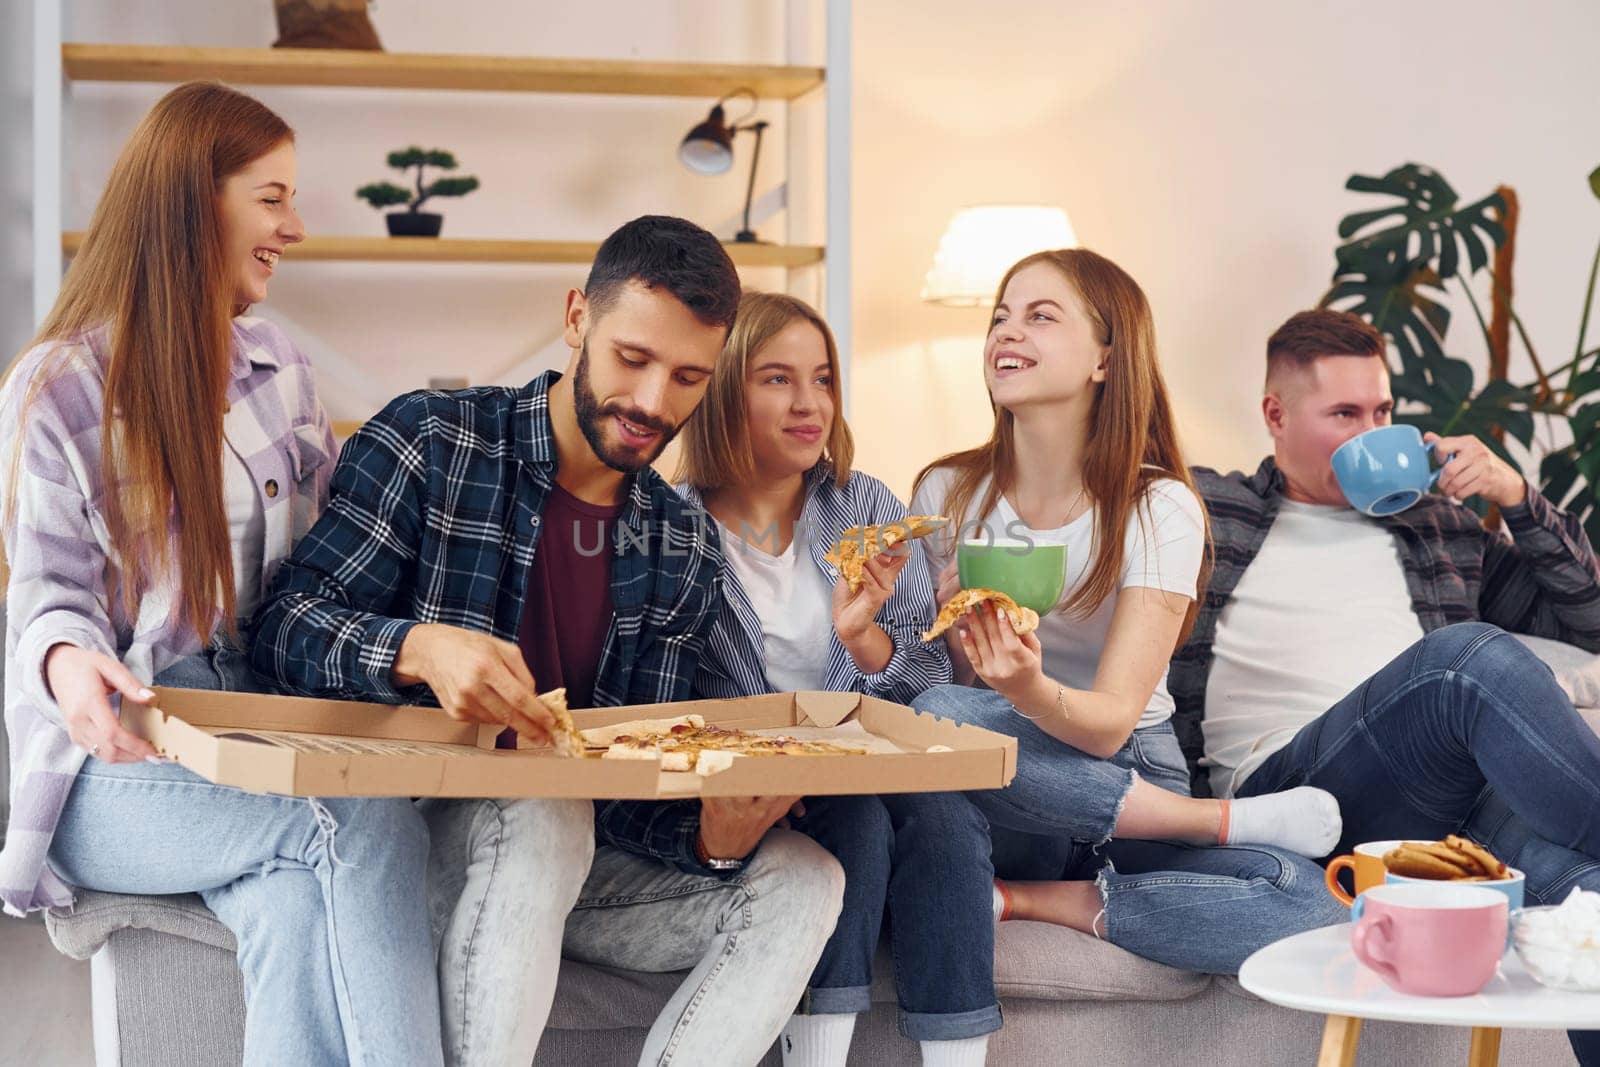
(16, 181)
(1204, 146)
(556, 167)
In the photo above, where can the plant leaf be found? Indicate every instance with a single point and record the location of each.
(1428, 209)
(1397, 298)
(1586, 383)
(1588, 464)
(407, 157)
(384, 194)
(1584, 423)
(451, 187)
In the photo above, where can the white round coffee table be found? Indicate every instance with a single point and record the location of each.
(1317, 971)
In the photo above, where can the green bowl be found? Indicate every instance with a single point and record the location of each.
(1030, 574)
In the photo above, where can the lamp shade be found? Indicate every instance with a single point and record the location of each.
(981, 244)
(708, 148)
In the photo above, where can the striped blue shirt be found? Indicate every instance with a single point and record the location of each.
(734, 663)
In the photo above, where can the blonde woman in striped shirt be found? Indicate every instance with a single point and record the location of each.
(768, 455)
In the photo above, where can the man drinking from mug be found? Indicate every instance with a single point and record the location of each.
(1371, 656)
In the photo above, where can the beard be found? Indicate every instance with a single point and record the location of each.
(591, 420)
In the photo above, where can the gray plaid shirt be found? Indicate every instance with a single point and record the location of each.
(1542, 580)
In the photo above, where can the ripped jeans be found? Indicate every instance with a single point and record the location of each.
(1059, 791)
(1200, 908)
(326, 899)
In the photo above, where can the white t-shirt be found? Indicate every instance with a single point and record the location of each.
(247, 529)
(1164, 552)
(794, 601)
(1322, 608)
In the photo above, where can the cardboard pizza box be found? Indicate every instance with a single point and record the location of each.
(294, 746)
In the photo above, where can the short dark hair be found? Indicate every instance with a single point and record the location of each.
(1309, 335)
(663, 252)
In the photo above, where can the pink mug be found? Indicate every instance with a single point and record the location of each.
(1430, 939)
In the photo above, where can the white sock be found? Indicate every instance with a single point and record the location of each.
(1304, 820)
(817, 1040)
(999, 902)
(962, 1052)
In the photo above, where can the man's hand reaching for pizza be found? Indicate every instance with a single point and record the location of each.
(732, 827)
(477, 678)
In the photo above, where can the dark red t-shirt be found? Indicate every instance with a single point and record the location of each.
(566, 613)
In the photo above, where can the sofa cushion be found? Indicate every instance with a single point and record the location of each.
(80, 931)
(1034, 961)
(1045, 962)
(1577, 671)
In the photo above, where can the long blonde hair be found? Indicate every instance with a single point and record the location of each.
(716, 439)
(1132, 439)
(152, 272)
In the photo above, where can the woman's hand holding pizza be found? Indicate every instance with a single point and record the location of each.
(854, 613)
(1008, 662)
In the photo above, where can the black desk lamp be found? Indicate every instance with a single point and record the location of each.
(708, 149)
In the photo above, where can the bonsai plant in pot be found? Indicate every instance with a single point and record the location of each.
(412, 222)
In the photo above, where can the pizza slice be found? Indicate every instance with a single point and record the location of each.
(860, 543)
(603, 737)
(706, 750)
(564, 738)
(1023, 620)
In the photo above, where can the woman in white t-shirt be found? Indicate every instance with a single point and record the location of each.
(769, 457)
(1084, 453)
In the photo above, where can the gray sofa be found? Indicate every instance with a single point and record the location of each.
(167, 991)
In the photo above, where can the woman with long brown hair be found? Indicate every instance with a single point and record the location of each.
(1085, 454)
(164, 453)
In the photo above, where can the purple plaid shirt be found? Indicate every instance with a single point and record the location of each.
(63, 581)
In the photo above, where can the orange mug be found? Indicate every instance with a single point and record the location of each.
(1365, 864)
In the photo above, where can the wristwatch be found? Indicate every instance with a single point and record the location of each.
(709, 861)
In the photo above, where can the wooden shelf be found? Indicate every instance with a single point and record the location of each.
(486, 250)
(416, 70)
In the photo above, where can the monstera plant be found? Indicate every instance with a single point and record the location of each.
(1397, 265)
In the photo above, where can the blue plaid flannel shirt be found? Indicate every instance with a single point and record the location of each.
(433, 517)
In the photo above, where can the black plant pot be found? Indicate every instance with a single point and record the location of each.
(414, 224)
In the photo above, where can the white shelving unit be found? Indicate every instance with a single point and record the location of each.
(59, 63)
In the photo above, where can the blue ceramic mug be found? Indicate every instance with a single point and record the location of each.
(1385, 470)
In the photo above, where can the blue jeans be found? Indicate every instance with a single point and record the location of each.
(325, 898)
(1199, 908)
(924, 856)
(1465, 731)
(748, 942)
(1059, 791)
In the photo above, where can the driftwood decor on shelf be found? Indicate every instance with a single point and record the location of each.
(325, 24)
